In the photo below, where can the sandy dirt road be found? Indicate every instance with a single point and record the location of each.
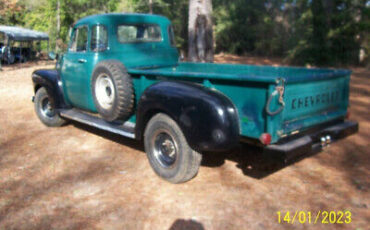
(76, 177)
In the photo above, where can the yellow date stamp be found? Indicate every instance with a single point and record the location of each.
(319, 217)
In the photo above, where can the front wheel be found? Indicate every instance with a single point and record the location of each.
(168, 151)
(45, 109)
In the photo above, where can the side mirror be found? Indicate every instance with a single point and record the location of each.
(53, 56)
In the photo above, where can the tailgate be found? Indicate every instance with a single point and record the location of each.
(314, 102)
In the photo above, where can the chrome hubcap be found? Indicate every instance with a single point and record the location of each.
(104, 90)
(46, 108)
(165, 149)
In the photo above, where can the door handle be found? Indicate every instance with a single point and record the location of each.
(82, 60)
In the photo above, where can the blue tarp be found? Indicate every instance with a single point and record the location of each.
(22, 34)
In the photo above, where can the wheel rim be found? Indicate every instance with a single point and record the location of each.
(165, 149)
(104, 91)
(46, 108)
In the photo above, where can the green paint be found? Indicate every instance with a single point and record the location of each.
(308, 92)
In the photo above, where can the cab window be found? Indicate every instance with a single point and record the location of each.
(139, 33)
(79, 40)
(99, 38)
(171, 35)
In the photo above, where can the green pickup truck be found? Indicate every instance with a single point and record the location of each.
(122, 74)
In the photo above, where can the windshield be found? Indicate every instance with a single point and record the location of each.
(139, 33)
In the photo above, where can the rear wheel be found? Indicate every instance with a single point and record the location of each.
(45, 109)
(168, 151)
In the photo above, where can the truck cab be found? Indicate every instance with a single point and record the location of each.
(137, 40)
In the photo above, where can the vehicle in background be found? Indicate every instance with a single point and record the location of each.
(19, 44)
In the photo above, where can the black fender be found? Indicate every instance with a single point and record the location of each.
(49, 78)
(208, 119)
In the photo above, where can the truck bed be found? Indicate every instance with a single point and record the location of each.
(312, 96)
(267, 74)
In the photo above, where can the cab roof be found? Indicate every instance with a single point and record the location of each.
(117, 18)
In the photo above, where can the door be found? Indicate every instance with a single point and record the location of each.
(75, 75)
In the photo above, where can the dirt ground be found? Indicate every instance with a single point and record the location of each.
(77, 177)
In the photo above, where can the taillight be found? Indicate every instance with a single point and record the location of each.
(265, 138)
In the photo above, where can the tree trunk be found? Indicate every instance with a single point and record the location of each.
(57, 45)
(58, 18)
(200, 31)
(319, 32)
(150, 6)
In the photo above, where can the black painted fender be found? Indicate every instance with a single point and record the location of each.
(49, 79)
(208, 119)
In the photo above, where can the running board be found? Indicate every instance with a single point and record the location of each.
(126, 129)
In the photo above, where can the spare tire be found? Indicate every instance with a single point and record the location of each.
(112, 90)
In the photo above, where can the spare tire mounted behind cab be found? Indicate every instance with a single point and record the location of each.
(112, 90)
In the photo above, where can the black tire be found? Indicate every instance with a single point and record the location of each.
(45, 109)
(180, 164)
(119, 93)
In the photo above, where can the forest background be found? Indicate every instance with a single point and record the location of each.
(302, 32)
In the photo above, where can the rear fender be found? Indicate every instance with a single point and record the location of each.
(50, 80)
(208, 119)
